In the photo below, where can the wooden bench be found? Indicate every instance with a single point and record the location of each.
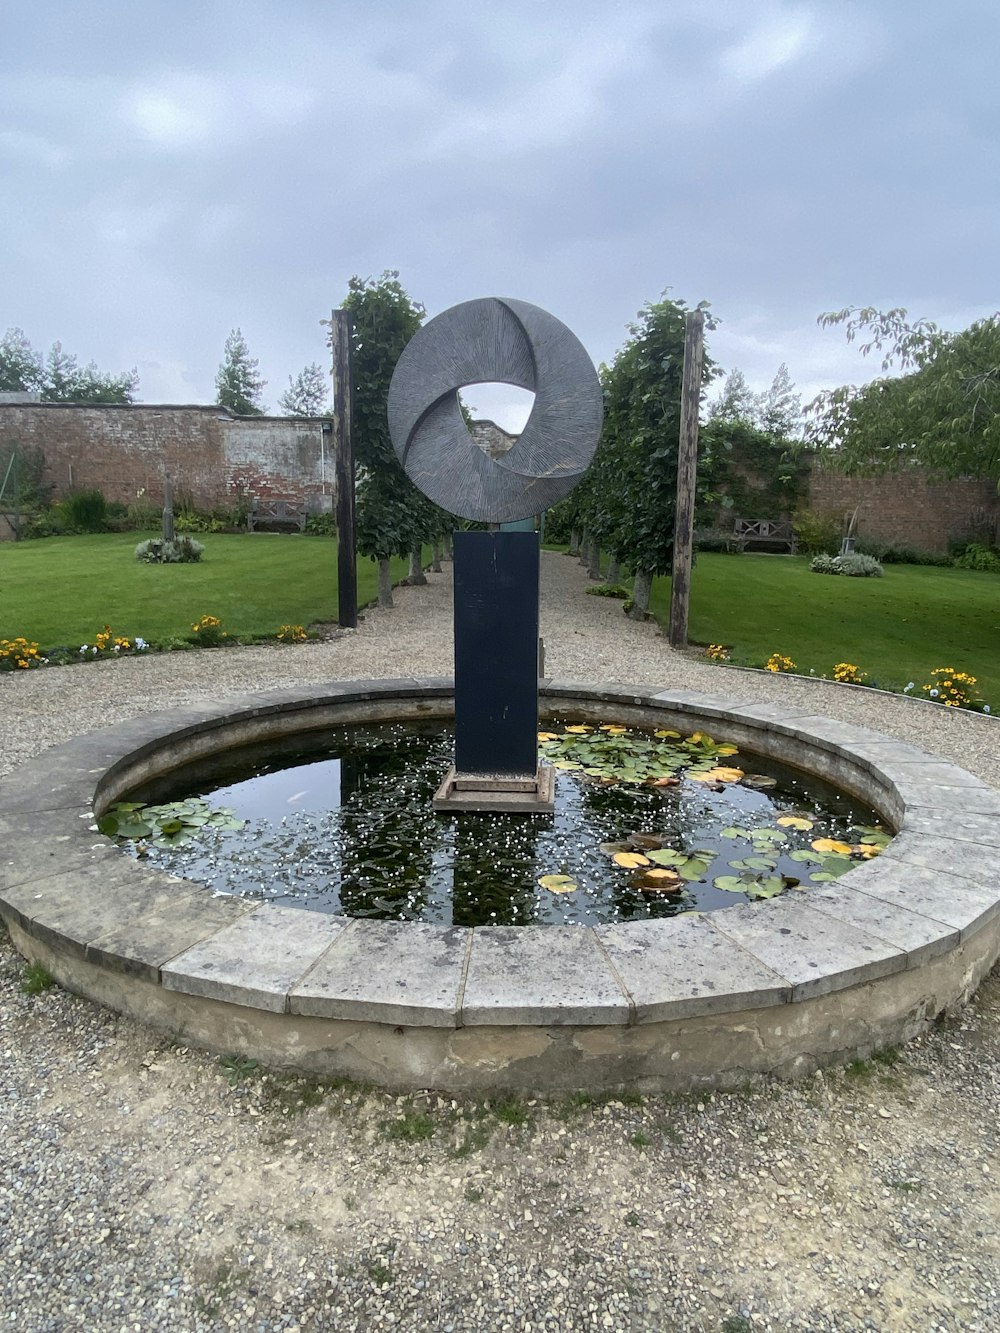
(283, 512)
(764, 532)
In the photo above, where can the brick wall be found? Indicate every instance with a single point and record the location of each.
(905, 507)
(211, 455)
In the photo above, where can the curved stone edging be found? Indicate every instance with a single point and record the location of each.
(777, 986)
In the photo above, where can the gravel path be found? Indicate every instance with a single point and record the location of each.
(147, 1186)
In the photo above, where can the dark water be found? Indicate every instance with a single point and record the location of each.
(343, 823)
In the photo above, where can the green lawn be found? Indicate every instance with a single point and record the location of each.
(62, 590)
(897, 628)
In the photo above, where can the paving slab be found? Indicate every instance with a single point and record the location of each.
(36, 844)
(965, 904)
(78, 905)
(146, 943)
(919, 935)
(960, 825)
(973, 860)
(678, 967)
(256, 960)
(816, 953)
(540, 975)
(399, 972)
(921, 788)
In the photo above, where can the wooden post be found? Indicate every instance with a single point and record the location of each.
(343, 453)
(687, 474)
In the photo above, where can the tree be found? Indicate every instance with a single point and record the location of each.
(238, 381)
(306, 394)
(20, 365)
(631, 496)
(393, 517)
(779, 409)
(737, 401)
(60, 379)
(941, 409)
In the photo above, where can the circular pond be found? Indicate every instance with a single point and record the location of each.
(648, 823)
(677, 1001)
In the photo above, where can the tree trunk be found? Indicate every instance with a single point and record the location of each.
(584, 551)
(614, 569)
(574, 542)
(438, 552)
(416, 576)
(384, 583)
(594, 561)
(640, 594)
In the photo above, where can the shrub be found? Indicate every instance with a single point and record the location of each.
(854, 565)
(608, 590)
(825, 564)
(321, 525)
(977, 556)
(51, 522)
(86, 511)
(143, 514)
(888, 553)
(181, 551)
(857, 566)
(192, 522)
(816, 532)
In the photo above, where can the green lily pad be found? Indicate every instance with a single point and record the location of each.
(730, 883)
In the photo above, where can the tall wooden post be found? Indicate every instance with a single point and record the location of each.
(343, 453)
(687, 475)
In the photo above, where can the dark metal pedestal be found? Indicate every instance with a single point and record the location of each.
(496, 677)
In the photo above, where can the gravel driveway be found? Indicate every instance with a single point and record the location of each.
(147, 1186)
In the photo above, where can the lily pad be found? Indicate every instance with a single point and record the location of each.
(558, 883)
(758, 781)
(630, 860)
(794, 821)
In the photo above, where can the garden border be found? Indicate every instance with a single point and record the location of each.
(775, 987)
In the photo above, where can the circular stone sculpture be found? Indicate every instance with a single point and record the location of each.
(482, 341)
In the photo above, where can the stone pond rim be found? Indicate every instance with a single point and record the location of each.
(780, 987)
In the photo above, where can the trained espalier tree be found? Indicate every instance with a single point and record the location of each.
(942, 410)
(393, 517)
(631, 486)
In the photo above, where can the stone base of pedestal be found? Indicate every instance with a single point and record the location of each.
(509, 795)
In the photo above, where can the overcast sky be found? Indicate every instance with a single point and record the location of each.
(171, 171)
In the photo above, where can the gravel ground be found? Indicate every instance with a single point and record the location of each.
(147, 1186)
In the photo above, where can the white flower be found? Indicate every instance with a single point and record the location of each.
(934, 694)
(140, 643)
(907, 688)
(85, 648)
(986, 708)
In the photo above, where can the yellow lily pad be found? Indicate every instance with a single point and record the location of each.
(664, 875)
(579, 731)
(547, 736)
(613, 730)
(728, 749)
(630, 860)
(725, 774)
(794, 821)
(830, 845)
(665, 735)
(558, 883)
